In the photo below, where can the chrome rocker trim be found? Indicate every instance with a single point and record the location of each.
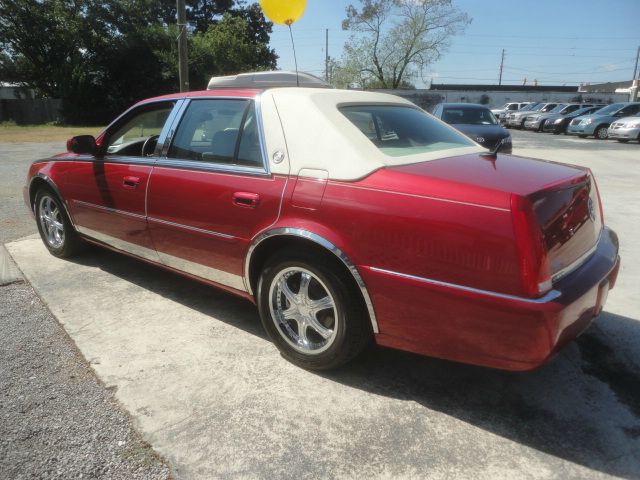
(297, 232)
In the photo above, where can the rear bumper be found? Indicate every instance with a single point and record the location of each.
(487, 328)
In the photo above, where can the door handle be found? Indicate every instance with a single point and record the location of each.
(130, 183)
(246, 199)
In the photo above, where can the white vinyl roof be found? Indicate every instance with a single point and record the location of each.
(320, 138)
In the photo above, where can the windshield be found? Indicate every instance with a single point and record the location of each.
(614, 107)
(399, 130)
(557, 108)
(469, 116)
(581, 111)
(528, 107)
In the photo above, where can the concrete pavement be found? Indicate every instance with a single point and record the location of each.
(212, 395)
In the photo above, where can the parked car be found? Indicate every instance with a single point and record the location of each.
(345, 216)
(557, 123)
(527, 108)
(508, 107)
(537, 121)
(517, 119)
(597, 124)
(625, 129)
(476, 122)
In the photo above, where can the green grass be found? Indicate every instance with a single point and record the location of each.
(12, 133)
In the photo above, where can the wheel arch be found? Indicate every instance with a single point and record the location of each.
(41, 180)
(267, 242)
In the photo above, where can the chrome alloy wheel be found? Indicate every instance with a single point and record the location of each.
(51, 221)
(303, 310)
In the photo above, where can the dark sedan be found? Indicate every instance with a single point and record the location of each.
(559, 124)
(477, 122)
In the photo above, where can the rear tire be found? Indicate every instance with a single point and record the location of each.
(311, 310)
(54, 226)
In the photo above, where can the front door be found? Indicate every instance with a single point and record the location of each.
(106, 193)
(213, 192)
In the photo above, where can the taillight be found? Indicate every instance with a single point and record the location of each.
(535, 270)
(595, 184)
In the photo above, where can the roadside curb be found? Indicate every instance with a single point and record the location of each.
(9, 272)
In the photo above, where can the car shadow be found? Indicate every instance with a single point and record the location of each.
(583, 407)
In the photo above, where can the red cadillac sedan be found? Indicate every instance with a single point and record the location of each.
(345, 216)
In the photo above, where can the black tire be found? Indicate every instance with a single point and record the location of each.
(66, 243)
(348, 322)
(601, 132)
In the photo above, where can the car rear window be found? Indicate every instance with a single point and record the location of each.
(398, 130)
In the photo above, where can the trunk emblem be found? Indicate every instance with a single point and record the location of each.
(480, 139)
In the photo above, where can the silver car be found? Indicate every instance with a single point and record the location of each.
(516, 120)
(536, 121)
(625, 129)
(508, 108)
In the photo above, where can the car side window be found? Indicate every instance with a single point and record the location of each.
(139, 129)
(629, 110)
(218, 131)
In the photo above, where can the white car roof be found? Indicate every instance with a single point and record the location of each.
(321, 142)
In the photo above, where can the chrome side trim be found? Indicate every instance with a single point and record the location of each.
(110, 210)
(296, 232)
(550, 296)
(190, 228)
(576, 263)
(210, 167)
(120, 244)
(202, 271)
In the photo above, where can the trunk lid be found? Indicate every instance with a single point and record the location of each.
(563, 198)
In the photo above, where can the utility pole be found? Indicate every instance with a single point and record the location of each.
(634, 93)
(501, 66)
(326, 55)
(182, 47)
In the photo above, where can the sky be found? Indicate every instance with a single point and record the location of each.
(556, 42)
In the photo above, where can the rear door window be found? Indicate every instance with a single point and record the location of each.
(223, 131)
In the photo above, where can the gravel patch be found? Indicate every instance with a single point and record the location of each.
(56, 419)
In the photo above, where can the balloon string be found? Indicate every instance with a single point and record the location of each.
(295, 60)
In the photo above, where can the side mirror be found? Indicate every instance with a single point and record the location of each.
(82, 144)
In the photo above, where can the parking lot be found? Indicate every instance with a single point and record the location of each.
(209, 392)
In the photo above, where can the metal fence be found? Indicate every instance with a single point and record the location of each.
(31, 111)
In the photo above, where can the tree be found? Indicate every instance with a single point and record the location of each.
(100, 56)
(394, 40)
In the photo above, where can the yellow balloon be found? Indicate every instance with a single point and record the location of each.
(284, 12)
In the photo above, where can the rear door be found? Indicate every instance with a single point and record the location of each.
(213, 191)
(106, 193)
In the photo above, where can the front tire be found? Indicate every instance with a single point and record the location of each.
(601, 132)
(54, 226)
(311, 311)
